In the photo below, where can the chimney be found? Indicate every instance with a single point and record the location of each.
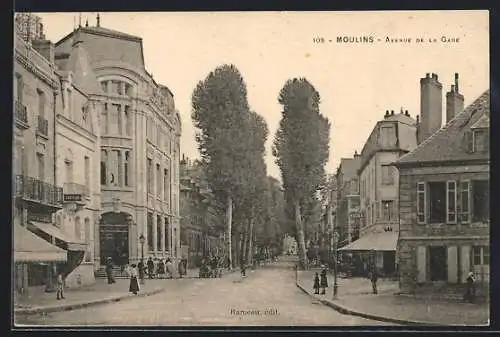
(431, 110)
(45, 48)
(386, 114)
(454, 101)
(98, 20)
(392, 112)
(407, 113)
(418, 119)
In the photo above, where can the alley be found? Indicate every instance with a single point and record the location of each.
(268, 296)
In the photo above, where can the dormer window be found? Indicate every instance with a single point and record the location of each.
(480, 140)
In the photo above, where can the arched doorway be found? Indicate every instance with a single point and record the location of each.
(113, 237)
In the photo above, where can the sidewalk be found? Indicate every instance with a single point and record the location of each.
(355, 298)
(98, 293)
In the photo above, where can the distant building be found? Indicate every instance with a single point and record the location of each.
(347, 203)
(393, 136)
(202, 222)
(444, 202)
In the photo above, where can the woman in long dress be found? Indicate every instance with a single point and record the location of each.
(134, 285)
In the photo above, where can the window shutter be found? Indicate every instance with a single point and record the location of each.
(421, 264)
(464, 262)
(421, 203)
(452, 264)
(451, 202)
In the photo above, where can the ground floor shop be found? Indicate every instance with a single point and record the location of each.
(443, 264)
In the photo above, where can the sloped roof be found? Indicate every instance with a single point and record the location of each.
(400, 117)
(83, 75)
(107, 31)
(446, 144)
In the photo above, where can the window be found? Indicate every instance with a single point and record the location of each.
(166, 184)
(150, 175)
(85, 113)
(104, 159)
(451, 213)
(70, 103)
(128, 121)
(158, 181)
(174, 243)
(481, 200)
(69, 171)
(464, 202)
(118, 87)
(78, 230)
(41, 103)
(150, 231)
(104, 86)
(19, 88)
(158, 233)
(128, 89)
(114, 121)
(480, 261)
(88, 252)
(87, 172)
(105, 120)
(388, 210)
(119, 118)
(127, 168)
(167, 228)
(119, 161)
(481, 140)
(387, 175)
(41, 166)
(437, 202)
(388, 136)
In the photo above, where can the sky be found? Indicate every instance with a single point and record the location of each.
(357, 82)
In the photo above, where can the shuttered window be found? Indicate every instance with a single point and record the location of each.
(421, 202)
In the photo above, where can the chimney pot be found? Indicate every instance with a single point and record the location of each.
(456, 82)
(418, 119)
(407, 113)
(392, 112)
(427, 75)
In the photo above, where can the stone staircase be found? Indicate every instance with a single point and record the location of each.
(117, 273)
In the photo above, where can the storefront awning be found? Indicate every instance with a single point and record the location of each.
(384, 241)
(28, 247)
(73, 244)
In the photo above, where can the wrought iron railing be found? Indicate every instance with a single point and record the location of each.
(20, 112)
(34, 189)
(43, 126)
(75, 192)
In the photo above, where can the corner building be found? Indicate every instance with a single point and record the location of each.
(139, 150)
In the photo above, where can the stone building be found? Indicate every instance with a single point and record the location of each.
(202, 221)
(347, 203)
(393, 136)
(444, 201)
(139, 149)
(36, 196)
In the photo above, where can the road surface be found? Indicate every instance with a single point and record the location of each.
(267, 297)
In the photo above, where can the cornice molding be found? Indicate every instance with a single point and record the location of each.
(34, 69)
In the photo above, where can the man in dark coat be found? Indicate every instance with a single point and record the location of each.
(374, 278)
(470, 293)
(323, 281)
(109, 271)
(151, 267)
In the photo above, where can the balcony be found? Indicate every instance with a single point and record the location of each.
(75, 193)
(37, 191)
(21, 115)
(43, 127)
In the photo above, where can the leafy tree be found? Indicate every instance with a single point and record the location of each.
(301, 148)
(220, 112)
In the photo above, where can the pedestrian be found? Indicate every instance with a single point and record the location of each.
(134, 285)
(160, 269)
(470, 293)
(181, 267)
(316, 284)
(169, 268)
(324, 280)
(60, 286)
(109, 271)
(151, 267)
(374, 278)
(141, 268)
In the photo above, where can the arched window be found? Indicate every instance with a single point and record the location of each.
(78, 228)
(104, 159)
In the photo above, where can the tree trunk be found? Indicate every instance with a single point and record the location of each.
(250, 244)
(244, 256)
(300, 236)
(229, 219)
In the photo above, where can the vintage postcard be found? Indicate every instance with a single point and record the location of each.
(251, 169)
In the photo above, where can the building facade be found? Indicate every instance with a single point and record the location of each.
(202, 222)
(347, 204)
(139, 149)
(444, 203)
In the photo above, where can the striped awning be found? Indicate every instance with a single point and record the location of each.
(73, 244)
(28, 247)
(383, 241)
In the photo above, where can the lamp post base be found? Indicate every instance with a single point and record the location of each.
(335, 290)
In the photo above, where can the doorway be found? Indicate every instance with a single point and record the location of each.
(389, 261)
(438, 263)
(113, 237)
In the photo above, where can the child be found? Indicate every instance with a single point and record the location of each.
(316, 284)
(60, 286)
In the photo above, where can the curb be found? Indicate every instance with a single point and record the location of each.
(42, 310)
(347, 311)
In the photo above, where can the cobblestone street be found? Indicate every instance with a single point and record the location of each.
(268, 296)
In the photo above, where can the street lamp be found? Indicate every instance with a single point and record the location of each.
(335, 242)
(142, 239)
